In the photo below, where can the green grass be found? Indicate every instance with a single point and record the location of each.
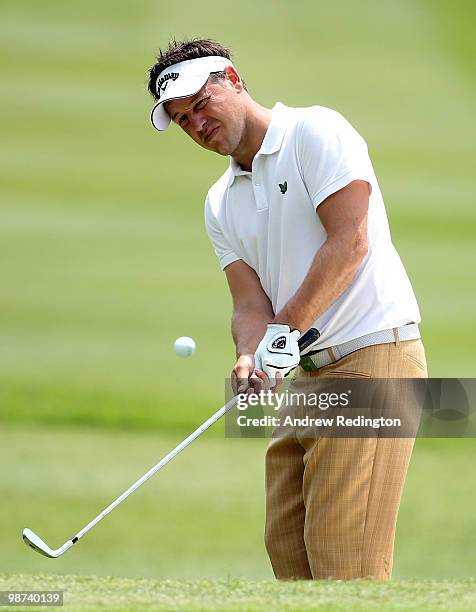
(202, 516)
(93, 593)
(105, 260)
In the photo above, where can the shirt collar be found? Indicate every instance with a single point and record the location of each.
(272, 139)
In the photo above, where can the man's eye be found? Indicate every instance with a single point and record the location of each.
(201, 104)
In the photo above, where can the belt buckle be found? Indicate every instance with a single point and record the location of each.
(307, 364)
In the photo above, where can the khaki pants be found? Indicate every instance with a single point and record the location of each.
(332, 503)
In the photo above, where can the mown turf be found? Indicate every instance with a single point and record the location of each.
(203, 515)
(95, 593)
(105, 260)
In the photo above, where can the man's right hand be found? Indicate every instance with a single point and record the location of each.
(243, 377)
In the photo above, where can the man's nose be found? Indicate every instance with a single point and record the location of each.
(198, 121)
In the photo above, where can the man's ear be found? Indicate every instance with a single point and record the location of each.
(234, 78)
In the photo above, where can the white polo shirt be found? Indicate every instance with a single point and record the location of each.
(268, 219)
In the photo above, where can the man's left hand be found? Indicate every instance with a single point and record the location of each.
(278, 352)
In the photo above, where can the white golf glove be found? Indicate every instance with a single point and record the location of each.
(278, 351)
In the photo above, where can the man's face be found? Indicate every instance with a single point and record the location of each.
(214, 117)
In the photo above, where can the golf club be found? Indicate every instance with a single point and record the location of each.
(35, 542)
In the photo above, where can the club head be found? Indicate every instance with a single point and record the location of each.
(35, 542)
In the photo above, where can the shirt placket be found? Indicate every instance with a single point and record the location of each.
(258, 187)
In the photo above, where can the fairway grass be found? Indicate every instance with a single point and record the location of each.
(93, 593)
(203, 515)
(105, 259)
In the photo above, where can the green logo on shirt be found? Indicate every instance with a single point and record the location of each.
(283, 187)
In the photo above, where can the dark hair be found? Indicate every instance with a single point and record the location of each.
(185, 50)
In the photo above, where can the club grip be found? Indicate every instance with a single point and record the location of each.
(308, 338)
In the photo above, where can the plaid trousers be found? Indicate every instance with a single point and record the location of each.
(332, 503)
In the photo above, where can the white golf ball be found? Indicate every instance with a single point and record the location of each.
(184, 346)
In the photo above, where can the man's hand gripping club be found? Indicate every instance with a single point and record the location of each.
(277, 354)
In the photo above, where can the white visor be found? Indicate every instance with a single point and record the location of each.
(182, 80)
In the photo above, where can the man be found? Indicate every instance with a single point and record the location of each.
(299, 226)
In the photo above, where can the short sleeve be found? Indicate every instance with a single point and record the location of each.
(332, 154)
(222, 248)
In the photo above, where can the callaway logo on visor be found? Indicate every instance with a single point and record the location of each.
(164, 81)
(279, 343)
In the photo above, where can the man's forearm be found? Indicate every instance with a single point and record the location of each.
(248, 327)
(331, 272)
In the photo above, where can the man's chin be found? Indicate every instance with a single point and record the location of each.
(219, 147)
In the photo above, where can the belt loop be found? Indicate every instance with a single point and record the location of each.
(331, 355)
(397, 336)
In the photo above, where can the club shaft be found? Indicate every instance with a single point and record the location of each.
(173, 453)
(309, 337)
